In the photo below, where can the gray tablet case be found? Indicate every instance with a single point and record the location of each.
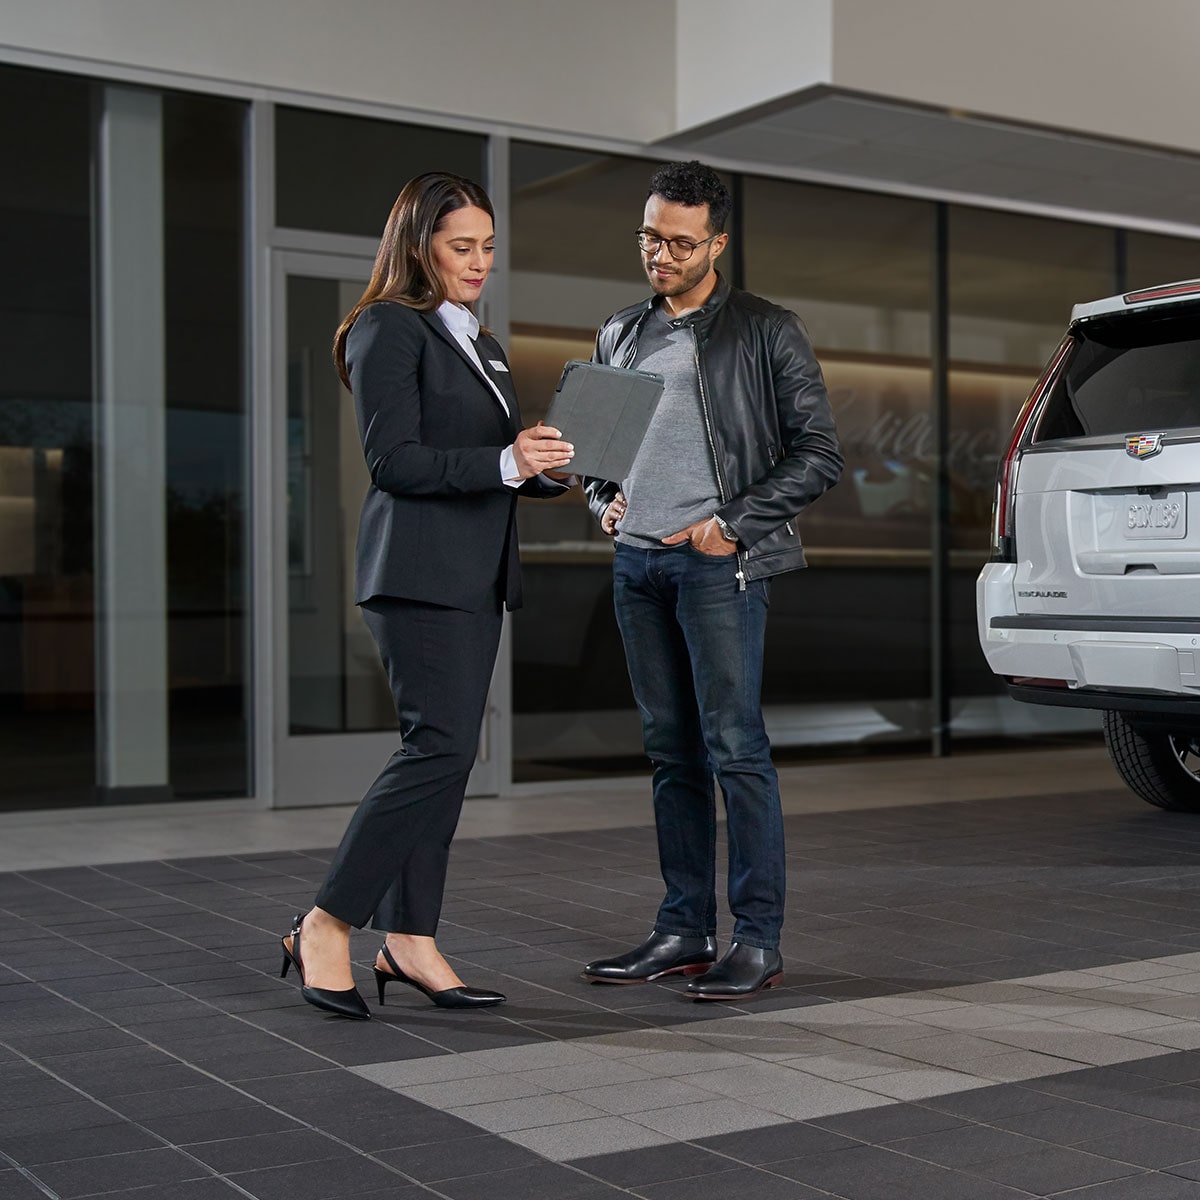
(604, 412)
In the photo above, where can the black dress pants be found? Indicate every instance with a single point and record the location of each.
(390, 868)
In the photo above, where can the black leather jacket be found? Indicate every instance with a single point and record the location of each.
(770, 427)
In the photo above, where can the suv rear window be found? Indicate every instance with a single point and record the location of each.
(1127, 374)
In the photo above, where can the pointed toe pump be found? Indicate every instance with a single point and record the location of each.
(455, 997)
(342, 1004)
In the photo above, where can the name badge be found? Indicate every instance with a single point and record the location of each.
(496, 365)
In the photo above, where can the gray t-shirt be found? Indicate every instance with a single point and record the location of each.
(672, 483)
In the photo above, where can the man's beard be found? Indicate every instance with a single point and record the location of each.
(691, 273)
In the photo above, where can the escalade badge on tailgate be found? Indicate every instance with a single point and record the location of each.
(1142, 445)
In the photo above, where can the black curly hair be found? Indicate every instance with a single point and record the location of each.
(692, 183)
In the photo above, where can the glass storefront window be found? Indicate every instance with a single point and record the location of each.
(206, 423)
(51, 557)
(335, 681)
(574, 261)
(847, 658)
(1151, 258)
(342, 174)
(1013, 280)
(47, 650)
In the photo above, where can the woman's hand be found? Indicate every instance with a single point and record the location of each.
(540, 448)
(613, 513)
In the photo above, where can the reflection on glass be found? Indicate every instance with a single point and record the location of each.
(882, 501)
(299, 463)
(847, 658)
(206, 446)
(585, 722)
(1151, 258)
(336, 683)
(374, 159)
(47, 683)
(1013, 280)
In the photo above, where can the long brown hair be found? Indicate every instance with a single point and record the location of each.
(404, 270)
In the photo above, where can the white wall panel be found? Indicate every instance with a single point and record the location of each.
(602, 70)
(639, 72)
(1100, 66)
(733, 57)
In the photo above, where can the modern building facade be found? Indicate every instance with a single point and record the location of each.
(191, 199)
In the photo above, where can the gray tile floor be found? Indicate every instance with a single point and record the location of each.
(996, 994)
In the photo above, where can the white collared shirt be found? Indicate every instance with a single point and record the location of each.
(463, 324)
(464, 327)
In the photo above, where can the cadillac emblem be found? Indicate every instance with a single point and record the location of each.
(1142, 445)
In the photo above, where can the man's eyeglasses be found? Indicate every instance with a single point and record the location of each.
(680, 249)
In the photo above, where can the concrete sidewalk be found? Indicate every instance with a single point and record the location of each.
(130, 833)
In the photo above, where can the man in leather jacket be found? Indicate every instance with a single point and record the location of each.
(742, 440)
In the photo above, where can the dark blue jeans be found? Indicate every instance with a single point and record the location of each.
(694, 644)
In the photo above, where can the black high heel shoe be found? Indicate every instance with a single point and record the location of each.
(455, 997)
(343, 1004)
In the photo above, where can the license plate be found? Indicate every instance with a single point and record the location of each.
(1156, 518)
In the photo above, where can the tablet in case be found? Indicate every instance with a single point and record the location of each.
(604, 412)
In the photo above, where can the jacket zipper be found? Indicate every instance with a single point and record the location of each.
(631, 353)
(773, 461)
(712, 445)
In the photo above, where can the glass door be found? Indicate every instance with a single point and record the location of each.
(335, 724)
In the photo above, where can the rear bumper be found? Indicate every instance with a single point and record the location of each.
(1104, 662)
(1167, 712)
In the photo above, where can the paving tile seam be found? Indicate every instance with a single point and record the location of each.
(184, 943)
(1006, 927)
(184, 1061)
(240, 1018)
(1043, 1145)
(24, 1173)
(118, 1117)
(84, 901)
(833, 944)
(166, 1143)
(121, 966)
(243, 1019)
(923, 1077)
(963, 1170)
(124, 968)
(258, 931)
(494, 908)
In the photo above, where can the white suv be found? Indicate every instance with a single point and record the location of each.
(1092, 595)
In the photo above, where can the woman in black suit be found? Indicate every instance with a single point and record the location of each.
(436, 562)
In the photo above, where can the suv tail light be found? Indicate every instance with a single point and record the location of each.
(1003, 547)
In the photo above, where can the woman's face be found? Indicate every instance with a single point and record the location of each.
(462, 251)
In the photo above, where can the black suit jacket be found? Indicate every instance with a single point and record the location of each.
(438, 524)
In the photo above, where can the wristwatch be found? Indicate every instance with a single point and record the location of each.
(726, 532)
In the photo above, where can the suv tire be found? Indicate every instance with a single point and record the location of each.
(1155, 764)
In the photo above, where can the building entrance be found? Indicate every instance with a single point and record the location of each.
(334, 720)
